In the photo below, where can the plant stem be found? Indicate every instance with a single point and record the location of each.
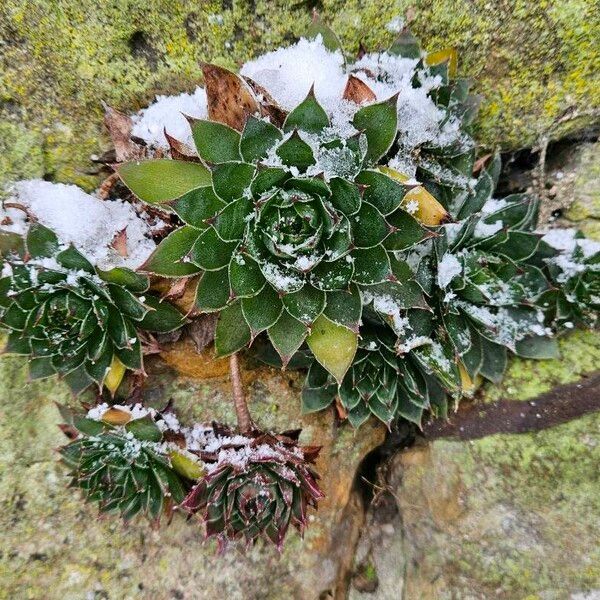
(244, 420)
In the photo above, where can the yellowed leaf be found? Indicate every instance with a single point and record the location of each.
(334, 346)
(449, 55)
(115, 375)
(116, 416)
(185, 466)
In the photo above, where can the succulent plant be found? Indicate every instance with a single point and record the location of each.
(123, 460)
(288, 227)
(380, 382)
(74, 319)
(256, 486)
(363, 237)
(573, 297)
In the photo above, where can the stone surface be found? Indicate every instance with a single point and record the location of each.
(59, 60)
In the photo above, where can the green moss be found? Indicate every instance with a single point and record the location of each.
(580, 354)
(530, 68)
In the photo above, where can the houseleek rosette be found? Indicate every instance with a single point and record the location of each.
(75, 320)
(256, 486)
(128, 462)
(281, 247)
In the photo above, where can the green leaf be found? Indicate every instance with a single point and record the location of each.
(144, 429)
(230, 223)
(258, 138)
(160, 180)
(245, 276)
(379, 123)
(212, 293)
(494, 360)
(215, 142)
(330, 39)
(262, 310)
(169, 257)
(371, 266)
(71, 258)
(334, 346)
(195, 207)
(267, 178)
(372, 228)
(308, 116)
(210, 252)
(134, 282)
(287, 335)
(232, 332)
(41, 241)
(345, 196)
(163, 318)
(316, 399)
(335, 275)
(381, 191)
(126, 302)
(295, 152)
(538, 347)
(306, 304)
(405, 45)
(231, 179)
(39, 368)
(88, 426)
(345, 308)
(407, 231)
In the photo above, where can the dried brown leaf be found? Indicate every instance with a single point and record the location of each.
(202, 330)
(119, 243)
(230, 100)
(179, 150)
(268, 105)
(358, 91)
(119, 128)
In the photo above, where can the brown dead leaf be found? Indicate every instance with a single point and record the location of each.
(358, 91)
(480, 163)
(268, 105)
(177, 288)
(119, 243)
(179, 150)
(119, 128)
(230, 100)
(202, 330)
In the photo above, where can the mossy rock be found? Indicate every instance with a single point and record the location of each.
(507, 516)
(62, 58)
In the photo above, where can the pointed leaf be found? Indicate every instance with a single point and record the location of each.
(379, 123)
(287, 335)
(371, 266)
(210, 252)
(195, 207)
(345, 196)
(245, 276)
(345, 308)
(334, 346)
(372, 228)
(212, 293)
(382, 191)
(163, 318)
(41, 241)
(160, 180)
(295, 152)
(262, 310)
(318, 28)
(170, 257)
(258, 138)
(232, 333)
(232, 179)
(308, 116)
(306, 304)
(215, 142)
